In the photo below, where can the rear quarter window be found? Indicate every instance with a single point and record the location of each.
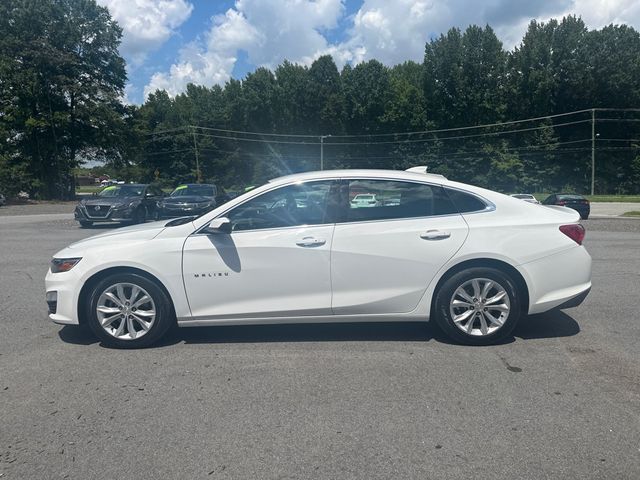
(465, 202)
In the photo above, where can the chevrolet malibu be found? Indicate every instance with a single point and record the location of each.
(296, 250)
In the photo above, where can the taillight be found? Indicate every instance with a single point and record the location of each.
(575, 232)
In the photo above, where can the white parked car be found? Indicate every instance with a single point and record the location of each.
(474, 261)
(364, 200)
(527, 197)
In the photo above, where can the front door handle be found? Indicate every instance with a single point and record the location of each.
(310, 242)
(435, 235)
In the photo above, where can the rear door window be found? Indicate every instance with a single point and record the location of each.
(369, 199)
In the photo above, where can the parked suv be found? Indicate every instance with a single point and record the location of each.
(129, 203)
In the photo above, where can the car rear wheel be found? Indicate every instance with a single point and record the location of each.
(478, 306)
(129, 311)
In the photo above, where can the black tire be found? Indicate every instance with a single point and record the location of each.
(85, 224)
(584, 217)
(139, 215)
(164, 314)
(444, 295)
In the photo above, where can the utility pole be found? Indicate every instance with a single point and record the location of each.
(593, 151)
(322, 137)
(195, 151)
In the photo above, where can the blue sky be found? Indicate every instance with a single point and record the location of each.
(170, 43)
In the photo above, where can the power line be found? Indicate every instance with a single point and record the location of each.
(618, 139)
(389, 142)
(420, 132)
(458, 137)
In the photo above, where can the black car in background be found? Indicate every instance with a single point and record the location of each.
(127, 203)
(577, 202)
(192, 199)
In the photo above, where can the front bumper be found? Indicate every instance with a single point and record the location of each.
(62, 288)
(112, 215)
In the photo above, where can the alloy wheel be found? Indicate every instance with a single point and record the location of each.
(480, 306)
(126, 311)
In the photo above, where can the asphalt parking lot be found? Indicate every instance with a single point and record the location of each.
(561, 399)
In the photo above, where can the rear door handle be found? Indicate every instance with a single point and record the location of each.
(310, 242)
(435, 235)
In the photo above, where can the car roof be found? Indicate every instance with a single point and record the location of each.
(196, 185)
(569, 195)
(354, 173)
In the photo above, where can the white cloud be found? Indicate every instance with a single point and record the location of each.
(270, 31)
(146, 24)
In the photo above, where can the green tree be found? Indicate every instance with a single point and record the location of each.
(62, 80)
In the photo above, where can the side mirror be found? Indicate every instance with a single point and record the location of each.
(219, 225)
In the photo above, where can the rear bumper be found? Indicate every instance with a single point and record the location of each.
(575, 301)
(584, 211)
(561, 280)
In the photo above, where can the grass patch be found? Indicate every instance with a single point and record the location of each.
(88, 189)
(96, 189)
(614, 198)
(633, 213)
(600, 198)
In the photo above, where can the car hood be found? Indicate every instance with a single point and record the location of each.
(186, 199)
(134, 233)
(108, 200)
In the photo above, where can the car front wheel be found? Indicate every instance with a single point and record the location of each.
(129, 311)
(478, 306)
(139, 215)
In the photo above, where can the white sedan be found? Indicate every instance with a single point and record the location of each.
(474, 261)
(527, 197)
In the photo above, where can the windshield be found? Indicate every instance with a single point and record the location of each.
(202, 190)
(122, 191)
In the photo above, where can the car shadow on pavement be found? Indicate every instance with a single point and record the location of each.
(552, 324)
(77, 335)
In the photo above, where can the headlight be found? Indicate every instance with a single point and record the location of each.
(59, 265)
(124, 206)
